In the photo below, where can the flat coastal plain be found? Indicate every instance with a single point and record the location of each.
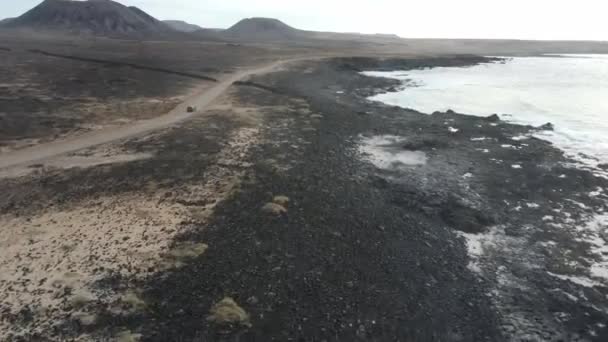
(288, 207)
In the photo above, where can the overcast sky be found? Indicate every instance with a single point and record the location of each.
(522, 19)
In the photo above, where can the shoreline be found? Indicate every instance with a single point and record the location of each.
(572, 135)
(315, 242)
(585, 224)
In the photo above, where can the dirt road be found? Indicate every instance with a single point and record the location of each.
(200, 100)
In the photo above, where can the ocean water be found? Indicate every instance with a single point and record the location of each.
(570, 91)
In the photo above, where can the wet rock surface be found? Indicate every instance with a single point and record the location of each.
(345, 250)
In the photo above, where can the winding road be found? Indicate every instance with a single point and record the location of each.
(201, 101)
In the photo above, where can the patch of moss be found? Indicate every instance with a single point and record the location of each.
(81, 298)
(128, 336)
(133, 300)
(188, 250)
(281, 200)
(273, 208)
(228, 312)
(85, 319)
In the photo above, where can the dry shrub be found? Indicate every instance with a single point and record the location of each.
(228, 312)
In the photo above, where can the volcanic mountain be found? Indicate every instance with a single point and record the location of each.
(182, 26)
(274, 30)
(262, 29)
(99, 17)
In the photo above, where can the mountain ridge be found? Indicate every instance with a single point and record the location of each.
(182, 26)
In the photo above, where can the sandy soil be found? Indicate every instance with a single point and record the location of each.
(53, 261)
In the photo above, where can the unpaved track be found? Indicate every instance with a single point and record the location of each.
(200, 100)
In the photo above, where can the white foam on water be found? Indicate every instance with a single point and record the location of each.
(577, 203)
(565, 294)
(583, 281)
(597, 192)
(508, 146)
(595, 231)
(569, 92)
(385, 153)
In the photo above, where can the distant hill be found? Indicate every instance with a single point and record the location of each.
(262, 29)
(112, 19)
(386, 35)
(6, 20)
(274, 30)
(99, 17)
(182, 26)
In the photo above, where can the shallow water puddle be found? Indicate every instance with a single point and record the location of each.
(386, 152)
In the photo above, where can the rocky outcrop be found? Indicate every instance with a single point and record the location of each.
(493, 118)
(546, 127)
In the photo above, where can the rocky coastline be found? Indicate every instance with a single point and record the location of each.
(348, 220)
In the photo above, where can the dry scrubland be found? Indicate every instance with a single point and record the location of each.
(43, 98)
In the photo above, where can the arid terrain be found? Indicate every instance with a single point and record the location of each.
(264, 214)
(45, 97)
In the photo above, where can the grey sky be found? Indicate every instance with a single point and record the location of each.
(522, 19)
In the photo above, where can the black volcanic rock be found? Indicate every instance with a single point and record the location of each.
(99, 17)
(546, 127)
(493, 118)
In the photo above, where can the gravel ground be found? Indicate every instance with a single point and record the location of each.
(341, 219)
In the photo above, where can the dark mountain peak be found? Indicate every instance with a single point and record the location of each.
(261, 29)
(100, 17)
(266, 24)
